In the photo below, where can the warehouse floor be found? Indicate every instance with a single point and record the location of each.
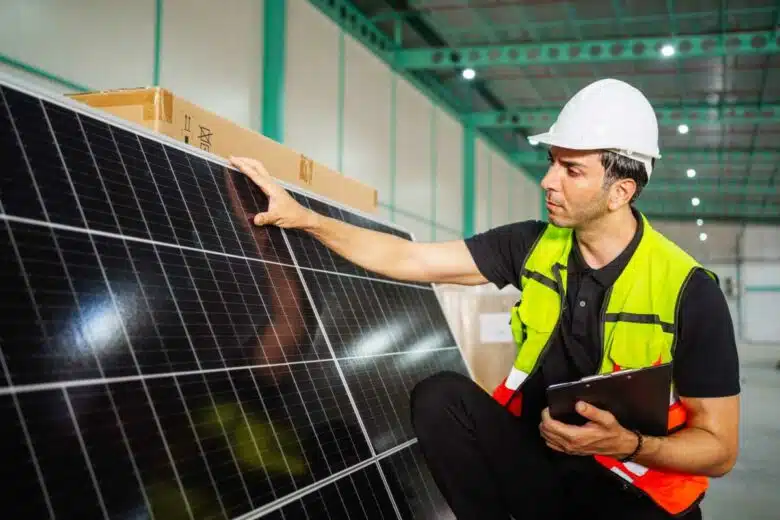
(750, 491)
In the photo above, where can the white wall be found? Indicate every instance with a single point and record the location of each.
(343, 106)
(720, 246)
(751, 263)
(86, 42)
(760, 281)
(504, 193)
(211, 55)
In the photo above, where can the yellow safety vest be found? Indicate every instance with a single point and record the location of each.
(638, 330)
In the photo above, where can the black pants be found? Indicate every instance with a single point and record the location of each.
(490, 465)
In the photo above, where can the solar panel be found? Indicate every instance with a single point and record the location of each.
(161, 358)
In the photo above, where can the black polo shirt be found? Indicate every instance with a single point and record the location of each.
(705, 361)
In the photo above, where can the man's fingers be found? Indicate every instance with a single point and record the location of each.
(551, 427)
(261, 219)
(594, 414)
(253, 169)
(555, 446)
(551, 435)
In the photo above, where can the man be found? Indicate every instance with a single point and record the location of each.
(601, 291)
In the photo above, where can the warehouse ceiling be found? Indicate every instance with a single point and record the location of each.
(710, 67)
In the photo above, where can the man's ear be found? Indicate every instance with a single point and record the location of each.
(620, 193)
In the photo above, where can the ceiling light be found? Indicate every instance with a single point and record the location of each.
(667, 50)
(702, 236)
(699, 222)
(695, 201)
(683, 129)
(691, 173)
(469, 73)
(532, 142)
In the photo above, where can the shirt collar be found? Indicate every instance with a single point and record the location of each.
(607, 275)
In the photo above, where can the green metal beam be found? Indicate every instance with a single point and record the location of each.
(707, 210)
(274, 39)
(709, 218)
(158, 26)
(690, 157)
(40, 73)
(717, 188)
(593, 51)
(469, 180)
(514, 31)
(691, 115)
(703, 189)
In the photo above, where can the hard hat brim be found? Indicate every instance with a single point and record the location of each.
(561, 142)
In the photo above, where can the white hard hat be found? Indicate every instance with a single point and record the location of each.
(608, 114)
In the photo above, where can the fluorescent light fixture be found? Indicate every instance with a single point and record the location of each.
(667, 50)
(691, 173)
(695, 201)
(683, 129)
(469, 73)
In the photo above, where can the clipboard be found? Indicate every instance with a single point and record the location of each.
(638, 398)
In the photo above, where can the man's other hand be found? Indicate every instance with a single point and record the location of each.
(602, 435)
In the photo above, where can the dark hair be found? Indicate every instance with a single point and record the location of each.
(619, 167)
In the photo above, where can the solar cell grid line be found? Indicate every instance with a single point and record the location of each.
(258, 204)
(235, 393)
(113, 297)
(396, 301)
(85, 454)
(116, 217)
(366, 500)
(363, 333)
(221, 245)
(225, 206)
(60, 255)
(344, 287)
(44, 209)
(264, 511)
(200, 447)
(398, 372)
(417, 488)
(314, 281)
(293, 379)
(382, 384)
(380, 309)
(340, 372)
(237, 207)
(18, 468)
(340, 319)
(269, 243)
(311, 254)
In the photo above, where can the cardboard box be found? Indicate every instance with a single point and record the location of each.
(161, 111)
(479, 319)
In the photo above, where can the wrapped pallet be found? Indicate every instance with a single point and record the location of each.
(480, 321)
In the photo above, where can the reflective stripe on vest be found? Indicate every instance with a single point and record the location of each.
(638, 330)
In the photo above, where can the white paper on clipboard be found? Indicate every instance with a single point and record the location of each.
(494, 328)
